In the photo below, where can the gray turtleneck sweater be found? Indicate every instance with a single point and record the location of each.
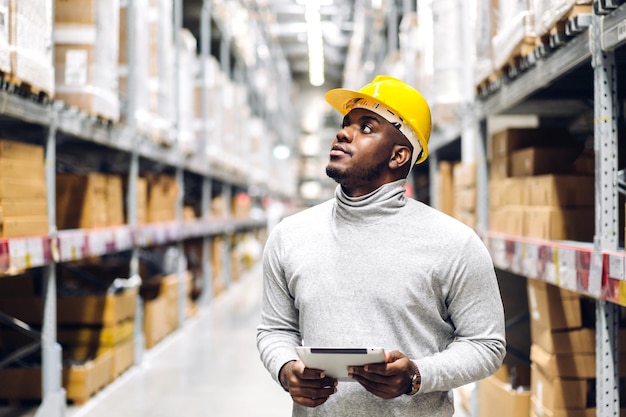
(382, 270)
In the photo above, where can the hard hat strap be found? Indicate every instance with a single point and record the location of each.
(392, 117)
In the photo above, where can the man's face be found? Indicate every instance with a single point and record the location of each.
(361, 150)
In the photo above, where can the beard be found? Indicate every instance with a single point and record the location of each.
(355, 175)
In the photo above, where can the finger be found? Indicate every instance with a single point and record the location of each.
(394, 355)
(309, 402)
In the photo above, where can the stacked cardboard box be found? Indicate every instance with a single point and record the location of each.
(535, 188)
(162, 198)
(505, 394)
(23, 206)
(563, 369)
(464, 190)
(86, 201)
(30, 35)
(160, 315)
(94, 328)
(445, 185)
(86, 38)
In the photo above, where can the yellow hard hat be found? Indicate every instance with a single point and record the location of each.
(396, 95)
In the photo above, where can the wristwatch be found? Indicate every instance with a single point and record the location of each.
(416, 382)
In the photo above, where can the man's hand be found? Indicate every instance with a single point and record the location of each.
(385, 380)
(308, 387)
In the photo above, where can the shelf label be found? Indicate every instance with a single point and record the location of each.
(567, 277)
(123, 239)
(616, 267)
(71, 246)
(26, 253)
(530, 261)
(98, 242)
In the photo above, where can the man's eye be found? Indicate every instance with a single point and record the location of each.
(367, 129)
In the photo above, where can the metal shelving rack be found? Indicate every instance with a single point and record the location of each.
(18, 254)
(596, 269)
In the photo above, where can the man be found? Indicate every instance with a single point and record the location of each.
(373, 268)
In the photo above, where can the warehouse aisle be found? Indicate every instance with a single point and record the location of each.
(210, 367)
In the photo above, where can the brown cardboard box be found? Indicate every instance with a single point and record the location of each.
(500, 167)
(497, 190)
(81, 201)
(555, 307)
(115, 200)
(504, 142)
(445, 195)
(25, 187)
(465, 199)
(20, 226)
(14, 207)
(537, 410)
(15, 168)
(515, 191)
(498, 399)
(563, 365)
(25, 152)
(542, 160)
(560, 393)
(552, 223)
(561, 191)
(464, 175)
(104, 310)
(75, 11)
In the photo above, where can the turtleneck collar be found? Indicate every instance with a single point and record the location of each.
(372, 207)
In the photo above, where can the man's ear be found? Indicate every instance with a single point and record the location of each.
(400, 156)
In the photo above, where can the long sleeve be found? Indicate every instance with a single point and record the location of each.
(278, 333)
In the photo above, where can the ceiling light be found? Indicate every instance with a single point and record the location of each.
(281, 152)
(315, 43)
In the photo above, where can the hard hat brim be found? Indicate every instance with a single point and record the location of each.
(339, 97)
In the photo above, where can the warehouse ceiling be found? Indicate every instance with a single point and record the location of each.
(284, 25)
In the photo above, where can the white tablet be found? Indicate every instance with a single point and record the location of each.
(335, 361)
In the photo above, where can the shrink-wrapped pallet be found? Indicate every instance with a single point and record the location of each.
(204, 127)
(187, 73)
(548, 13)
(515, 35)
(86, 37)
(31, 43)
(161, 80)
(5, 49)
(485, 30)
(141, 95)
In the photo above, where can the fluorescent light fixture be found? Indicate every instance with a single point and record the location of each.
(315, 42)
(281, 152)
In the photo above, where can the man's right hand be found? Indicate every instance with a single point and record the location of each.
(308, 387)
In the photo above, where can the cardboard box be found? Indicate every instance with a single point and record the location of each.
(553, 223)
(569, 341)
(22, 226)
(445, 196)
(542, 160)
(75, 11)
(498, 399)
(561, 190)
(86, 54)
(26, 153)
(561, 393)
(464, 175)
(31, 41)
(504, 142)
(537, 410)
(556, 308)
(81, 382)
(515, 191)
(103, 310)
(500, 167)
(89, 201)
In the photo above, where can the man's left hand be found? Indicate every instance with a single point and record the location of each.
(385, 380)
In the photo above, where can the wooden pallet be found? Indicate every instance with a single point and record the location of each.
(575, 21)
(13, 84)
